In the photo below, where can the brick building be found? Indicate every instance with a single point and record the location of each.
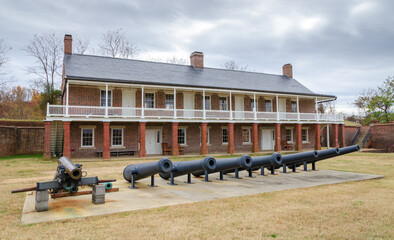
(112, 105)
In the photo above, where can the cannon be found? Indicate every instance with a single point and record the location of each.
(187, 167)
(135, 172)
(296, 159)
(350, 149)
(262, 162)
(244, 162)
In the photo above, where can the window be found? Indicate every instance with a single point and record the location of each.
(268, 105)
(103, 96)
(117, 137)
(182, 136)
(224, 135)
(223, 103)
(304, 135)
(293, 106)
(87, 138)
(289, 135)
(158, 134)
(208, 137)
(246, 135)
(252, 105)
(170, 101)
(149, 100)
(207, 102)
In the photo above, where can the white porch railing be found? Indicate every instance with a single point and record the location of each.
(162, 113)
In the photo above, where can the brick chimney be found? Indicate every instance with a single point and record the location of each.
(288, 70)
(197, 59)
(68, 44)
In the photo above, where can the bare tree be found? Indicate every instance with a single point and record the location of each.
(3, 59)
(175, 60)
(232, 65)
(47, 49)
(80, 45)
(116, 44)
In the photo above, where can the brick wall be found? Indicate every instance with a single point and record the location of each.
(382, 136)
(350, 131)
(21, 137)
(307, 105)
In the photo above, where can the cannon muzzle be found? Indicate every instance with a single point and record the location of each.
(144, 170)
(349, 149)
(185, 167)
(73, 171)
(244, 162)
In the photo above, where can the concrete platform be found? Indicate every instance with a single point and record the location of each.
(164, 195)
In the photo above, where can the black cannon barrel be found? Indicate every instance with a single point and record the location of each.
(144, 170)
(244, 162)
(299, 157)
(73, 171)
(327, 153)
(349, 149)
(262, 161)
(185, 167)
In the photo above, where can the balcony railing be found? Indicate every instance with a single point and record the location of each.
(193, 114)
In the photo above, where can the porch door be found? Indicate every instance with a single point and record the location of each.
(239, 107)
(282, 108)
(153, 141)
(267, 139)
(128, 101)
(188, 104)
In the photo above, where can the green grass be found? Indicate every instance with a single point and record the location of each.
(39, 156)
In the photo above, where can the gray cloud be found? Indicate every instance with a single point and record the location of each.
(336, 47)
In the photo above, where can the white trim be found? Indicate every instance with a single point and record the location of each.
(93, 130)
(185, 137)
(227, 103)
(307, 134)
(292, 134)
(250, 135)
(154, 99)
(112, 137)
(112, 96)
(224, 143)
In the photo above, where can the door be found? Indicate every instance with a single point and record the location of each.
(153, 141)
(267, 139)
(128, 101)
(188, 105)
(282, 108)
(239, 107)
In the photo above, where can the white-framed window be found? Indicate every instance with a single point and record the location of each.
(182, 136)
(252, 104)
(268, 105)
(289, 135)
(149, 100)
(170, 101)
(103, 96)
(207, 102)
(293, 106)
(208, 135)
(224, 136)
(223, 103)
(117, 137)
(304, 135)
(246, 135)
(87, 137)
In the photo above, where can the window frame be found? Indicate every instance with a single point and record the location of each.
(249, 129)
(93, 130)
(154, 100)
(220, 105)
(109, 99)
(112, 136)
(295, 106)
(224, 128)
(265, 105)
(292, 134)
(210, 103)
(185, 136)
(173, 100)
(307, 135)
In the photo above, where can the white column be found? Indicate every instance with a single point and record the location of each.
(298, 110)
(47, 109)
(277, 108)
(142, 102)
(231, 108)
(174, 103)
(328, 136)
(335, 112)
(106, 100)
(254, 107)
(203, 105)
(316, 109)
(67, 95)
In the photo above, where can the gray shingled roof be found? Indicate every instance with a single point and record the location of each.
(87, 67)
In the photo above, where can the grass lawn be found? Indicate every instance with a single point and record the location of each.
(355, 210)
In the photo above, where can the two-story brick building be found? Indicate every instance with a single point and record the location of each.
(112, 104)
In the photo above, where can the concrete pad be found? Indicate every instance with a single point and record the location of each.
(165, 195)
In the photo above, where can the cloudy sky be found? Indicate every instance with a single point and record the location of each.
(336, 47)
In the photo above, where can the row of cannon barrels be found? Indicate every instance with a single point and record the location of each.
(169, 170)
